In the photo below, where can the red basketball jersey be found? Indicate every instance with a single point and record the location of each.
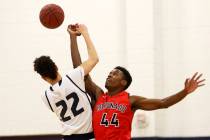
(112, 117)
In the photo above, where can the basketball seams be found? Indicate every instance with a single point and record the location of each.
(59, 15)
(56, 12)
(44, 16)
(52, 17)
(55, 17)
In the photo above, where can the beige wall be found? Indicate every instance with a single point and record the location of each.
(161, 43)
(182, 33)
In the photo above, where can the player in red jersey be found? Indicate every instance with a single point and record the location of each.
(113, 110)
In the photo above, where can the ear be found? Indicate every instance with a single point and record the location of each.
(123, 82)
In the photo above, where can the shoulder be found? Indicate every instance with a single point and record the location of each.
(45, 94)
(134, 99)
(79, 71)
(76, 76)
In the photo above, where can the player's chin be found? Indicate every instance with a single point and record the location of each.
(107, 85)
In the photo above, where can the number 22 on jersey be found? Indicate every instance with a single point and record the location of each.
(74, 110)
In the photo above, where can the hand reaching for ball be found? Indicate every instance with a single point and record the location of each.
(77, 29)
(72, 29)
(82, 29)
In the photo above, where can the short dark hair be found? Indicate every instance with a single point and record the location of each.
(126, 74)
(45, 67)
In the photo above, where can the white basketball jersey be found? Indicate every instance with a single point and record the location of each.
(68, 100)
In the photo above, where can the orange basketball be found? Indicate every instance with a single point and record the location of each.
(51, 16)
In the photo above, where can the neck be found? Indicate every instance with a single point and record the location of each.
(114, 91)
(52, 82)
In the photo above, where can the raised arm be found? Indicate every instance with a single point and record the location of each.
(191, 85)
(90, 86)
(93, 59)
(75, 55)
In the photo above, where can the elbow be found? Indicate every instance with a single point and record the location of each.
(165, 107)
(75, 66)
(95, 60)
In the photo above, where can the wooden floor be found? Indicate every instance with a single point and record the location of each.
(57, 137)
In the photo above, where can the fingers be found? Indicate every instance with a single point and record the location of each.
(201, 81)
(195, 79)
(194, 76)
(201, 85)
(186, 82)
(72, 29)
(81, 27)
(77, 29)
(193, 83)
(198, 77)
(77, 25)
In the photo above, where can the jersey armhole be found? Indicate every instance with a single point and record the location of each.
(48, 101)
(129, 103)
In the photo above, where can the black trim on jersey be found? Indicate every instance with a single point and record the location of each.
(59, 83)
(48, 101)
(75, 84)
(79, 89)
(51, 88)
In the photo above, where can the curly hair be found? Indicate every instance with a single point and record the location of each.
(45, 67)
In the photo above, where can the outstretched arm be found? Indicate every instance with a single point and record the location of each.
(90, 86)
(93, 59)
(75, 56)
(191, 85)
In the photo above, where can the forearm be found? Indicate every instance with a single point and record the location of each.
(75, 55)
(92, 54)
(171, 100)
(191, 85)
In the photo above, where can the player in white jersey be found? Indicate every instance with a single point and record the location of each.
(66, 96)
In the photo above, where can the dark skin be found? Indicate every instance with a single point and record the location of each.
(116, 82)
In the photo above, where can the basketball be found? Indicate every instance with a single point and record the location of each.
(51, 16)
